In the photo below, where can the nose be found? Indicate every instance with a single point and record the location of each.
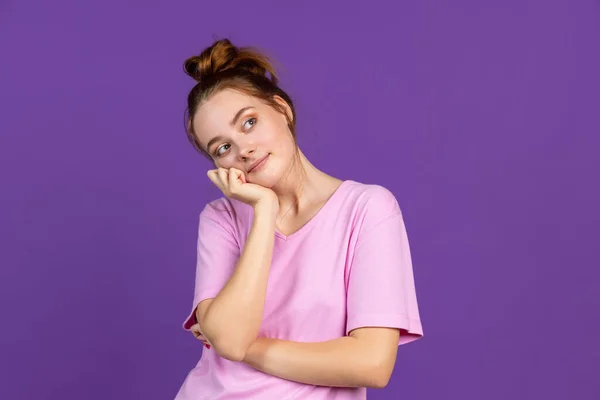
(246, 153)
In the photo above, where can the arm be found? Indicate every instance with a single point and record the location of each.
(380, 300)
(365, 358)
(231, 321)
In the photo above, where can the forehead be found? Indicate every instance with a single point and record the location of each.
(214, 115)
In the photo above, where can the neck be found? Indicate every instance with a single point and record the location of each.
(302, 186)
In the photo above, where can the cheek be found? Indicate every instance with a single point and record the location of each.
(271, 135)
(225, 162)
(279, 141)
(286, 146)
(265, 139)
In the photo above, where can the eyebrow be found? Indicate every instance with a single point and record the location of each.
(238, 114)
(232, 123)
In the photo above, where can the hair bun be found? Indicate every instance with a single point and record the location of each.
(223, 55)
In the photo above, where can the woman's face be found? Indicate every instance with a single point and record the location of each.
(239, 131)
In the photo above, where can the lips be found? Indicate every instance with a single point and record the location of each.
(258, 163)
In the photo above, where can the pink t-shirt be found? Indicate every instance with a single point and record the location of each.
(348, 267)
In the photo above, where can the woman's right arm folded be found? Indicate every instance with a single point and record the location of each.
(231, 286)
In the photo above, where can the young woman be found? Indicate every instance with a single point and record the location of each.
(304, 283)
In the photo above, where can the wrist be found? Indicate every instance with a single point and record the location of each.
(267, 206)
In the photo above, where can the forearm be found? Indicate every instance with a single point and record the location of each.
(342, 362)
(233, 318)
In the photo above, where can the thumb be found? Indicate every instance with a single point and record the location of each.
(195, 328)
(236, 177)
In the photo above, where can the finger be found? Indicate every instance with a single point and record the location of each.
(204, 340)
(234, 178)
(213, 175)
(196, 334)
(239, 174)
(223, 177)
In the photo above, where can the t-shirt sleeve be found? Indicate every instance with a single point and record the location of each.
(381, 288)
(217, 254)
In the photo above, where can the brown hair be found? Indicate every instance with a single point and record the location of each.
(225, 66)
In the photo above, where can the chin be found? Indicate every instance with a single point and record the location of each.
(267, 178)
(267, 181)
(270, 176)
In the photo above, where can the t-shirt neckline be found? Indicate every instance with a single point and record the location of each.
(315, 217)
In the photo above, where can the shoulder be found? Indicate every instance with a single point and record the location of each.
(371, 203)
(373, 196)
(224, 211)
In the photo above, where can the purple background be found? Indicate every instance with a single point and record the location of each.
(482, 117)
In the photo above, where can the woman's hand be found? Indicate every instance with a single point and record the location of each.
(232, 183)
(199, 335)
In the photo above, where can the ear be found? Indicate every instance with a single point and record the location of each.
(286, 106)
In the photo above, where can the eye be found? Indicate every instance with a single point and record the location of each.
(253, 120)
(221, 149)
